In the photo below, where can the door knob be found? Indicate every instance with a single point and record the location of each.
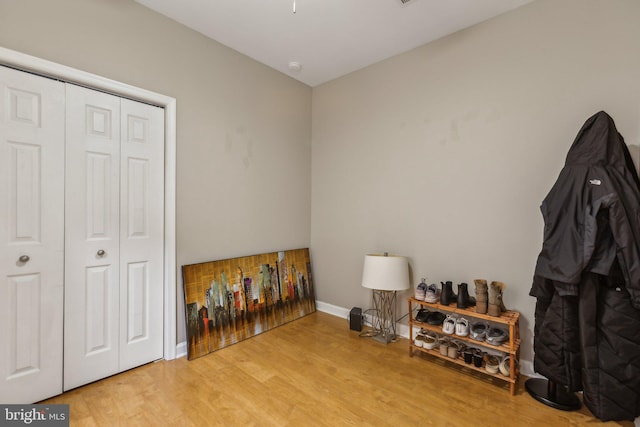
(101, 252)
(24, 258)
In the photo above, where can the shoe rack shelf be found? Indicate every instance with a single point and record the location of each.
(509, 320)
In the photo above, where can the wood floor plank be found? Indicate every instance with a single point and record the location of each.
(310, 372)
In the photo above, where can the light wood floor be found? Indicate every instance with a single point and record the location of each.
(310, 372)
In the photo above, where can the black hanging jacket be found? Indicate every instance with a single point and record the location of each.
(587, 277)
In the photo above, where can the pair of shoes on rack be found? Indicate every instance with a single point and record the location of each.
(489, 297)
(453, 325)
(430, 317)
(428, 293)
(496, 336)
(496, 364)
(426, 339)
(472, 355)
(481, 331)
(450, 347)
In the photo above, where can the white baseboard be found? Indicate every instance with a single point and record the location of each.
(332, 309)
(526, 368)
(181, 349)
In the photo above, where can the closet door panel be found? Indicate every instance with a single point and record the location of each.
(99, 285)
(31, 236)
(141, 234)
(92, 260)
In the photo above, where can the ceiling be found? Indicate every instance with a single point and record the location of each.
(328, 38)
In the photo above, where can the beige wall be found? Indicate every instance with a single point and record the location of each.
(444, 153)
(243, 129)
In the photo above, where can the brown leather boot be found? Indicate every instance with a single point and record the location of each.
(481, 295)
(496, 306)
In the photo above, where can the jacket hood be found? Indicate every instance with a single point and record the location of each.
(598, 143)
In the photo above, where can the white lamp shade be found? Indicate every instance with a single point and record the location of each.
(386, 273)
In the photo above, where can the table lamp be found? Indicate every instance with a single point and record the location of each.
(385, 274)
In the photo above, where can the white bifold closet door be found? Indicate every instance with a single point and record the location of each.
(114, 235)
(31, 236)
(81, 235)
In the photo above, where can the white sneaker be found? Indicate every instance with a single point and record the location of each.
(504, 366)
(462, 327)
(449, 325)
(420, 290)
(432, 294)
(430, 341)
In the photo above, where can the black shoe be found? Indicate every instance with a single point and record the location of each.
(463, 296)
(435, 318)
(446, 295)
(422, 315)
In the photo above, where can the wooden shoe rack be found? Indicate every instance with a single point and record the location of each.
(508, 320)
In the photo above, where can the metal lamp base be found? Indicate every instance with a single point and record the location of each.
(384, 326)
(385, 338)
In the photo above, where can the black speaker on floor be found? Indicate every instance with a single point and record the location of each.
(355, 319)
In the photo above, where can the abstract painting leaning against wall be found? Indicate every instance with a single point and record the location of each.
(230, 300)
